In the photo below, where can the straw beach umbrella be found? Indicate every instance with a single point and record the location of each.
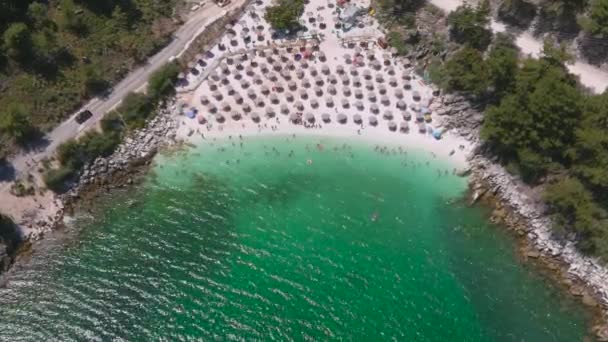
(289, 97)
(329, 101)
(369, 85)
(407, 85)
(318, 91)
(238, 98)
(354, 71)
(264, 89)
(218, 96)
(291, 85)
(331, 89)
(357, 119)
(388, 115)
(401, 105)
(345, 103)
(246, 107)
(371, 96)
(398, 93)
(284, 109)
(392, 126)
(346, 91)
(422, 127)
(382, 89)
(255, 117)
(251, 93)
(260, 102)
(274, 99)
(303, 94)
(359, 105)
(340, 69)
(300, 73)
(385, 100)
(392, 82)
(358, 93)
(299, 105)
(357, 81)
(309, 117)
(416, 95)
(204, 100)
(367, 74)
(313, 71)
(374, 108)
(325, 69)
(270, 112)
(230, 90)
(220, 118)
(225, 106)
(214, 76)
(295, 118)
(373, 121)
(407, 116)
(404, 127)
(286, 74)
(319, 80)
(342, 118)
(306, 82)
(326, 117)
(236, 116)
(345, 80)
(314, 103)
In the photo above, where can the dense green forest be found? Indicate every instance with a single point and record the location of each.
(538, 120)
(56, 54)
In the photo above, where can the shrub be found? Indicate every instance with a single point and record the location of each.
(285, 15)
(135, 109)
(162, 82)
(56, 179)
(469, 25)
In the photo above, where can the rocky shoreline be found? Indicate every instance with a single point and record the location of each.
(519, 207)
(124, 167)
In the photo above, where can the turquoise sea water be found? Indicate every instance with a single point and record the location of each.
(254, 242)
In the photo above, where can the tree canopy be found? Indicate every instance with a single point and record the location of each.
(285, 15)
(470, 25)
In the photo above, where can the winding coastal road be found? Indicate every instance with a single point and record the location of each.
(26, 162)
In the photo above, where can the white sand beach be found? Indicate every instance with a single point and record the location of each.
(328, 81)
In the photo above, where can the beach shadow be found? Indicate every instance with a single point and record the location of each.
(7, 171)
(36, 143)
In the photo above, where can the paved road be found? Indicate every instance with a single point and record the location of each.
(24, 163)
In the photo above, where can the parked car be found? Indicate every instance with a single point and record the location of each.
(83, 116)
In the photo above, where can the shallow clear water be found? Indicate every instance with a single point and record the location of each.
(253, 242)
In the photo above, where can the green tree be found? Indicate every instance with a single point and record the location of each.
(92, 80)
(539, 116)
(502, 65)
(466, 71)
(68, 18)
(574, 209)
(15, 122)
(162, 82)
(285, 15)
(589, 156)
(135, 109)
(469, 25)
(38, 14)
(18, 42)
(596, 22)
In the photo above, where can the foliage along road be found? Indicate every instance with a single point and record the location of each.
(25, 163)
